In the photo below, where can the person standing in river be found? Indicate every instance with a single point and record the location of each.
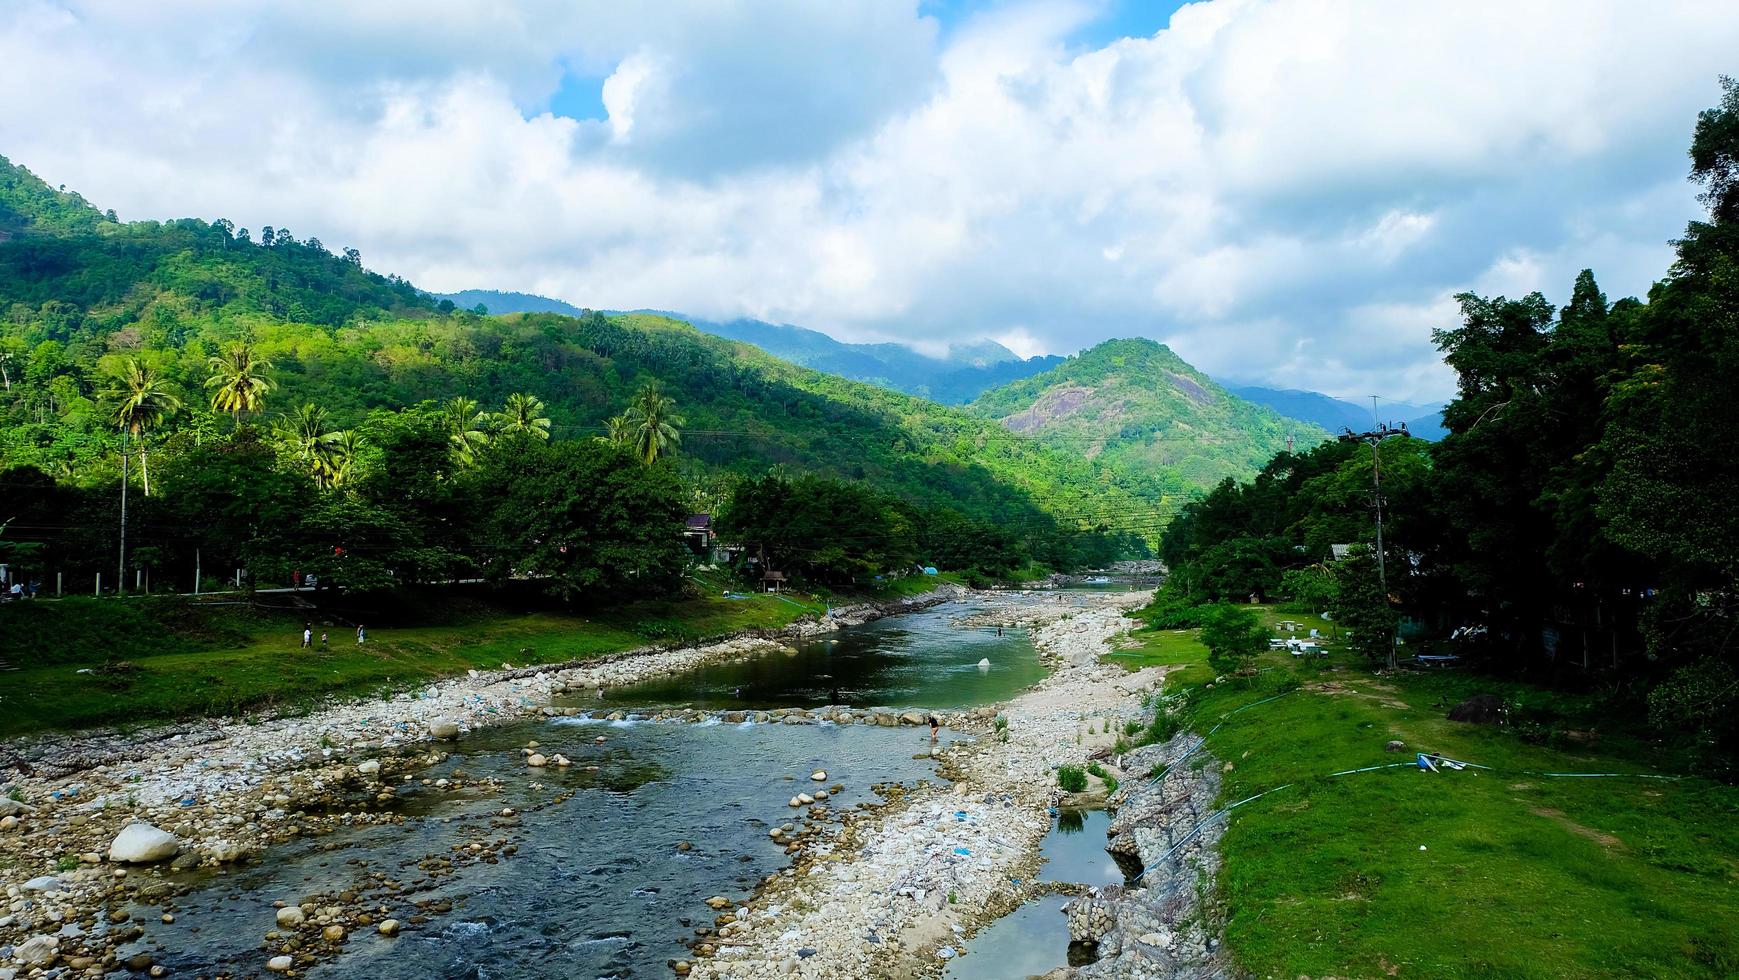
(935, 728)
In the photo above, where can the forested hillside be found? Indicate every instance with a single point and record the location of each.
(1137, 405)
(168, 339)
(1578, 519)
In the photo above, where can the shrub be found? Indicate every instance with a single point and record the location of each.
(1104, 775)
(1073, 779)
(1170, 611)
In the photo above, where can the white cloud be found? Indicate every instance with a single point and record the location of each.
(1287, 190)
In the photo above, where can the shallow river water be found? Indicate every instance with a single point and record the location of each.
(598, 886)
(924, 659)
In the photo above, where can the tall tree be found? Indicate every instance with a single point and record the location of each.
(468, 428)
(238, 379)
(653, 423)
(142, 400)
(523, 415)
(303, 437)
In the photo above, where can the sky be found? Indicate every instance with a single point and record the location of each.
(1287, 192)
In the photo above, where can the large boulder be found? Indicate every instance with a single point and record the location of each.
(444, 728)
(141, 843)
(1481, 709)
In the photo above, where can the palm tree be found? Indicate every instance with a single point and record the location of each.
(467, 428)
(619, 430)
(653, 423)
(523, 415)
(304, 437)
(341, 450)
(142, 400)
(238, 379)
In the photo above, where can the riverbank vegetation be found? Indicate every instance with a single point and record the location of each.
(88, 661)
(1500, 871)
(1576, 527)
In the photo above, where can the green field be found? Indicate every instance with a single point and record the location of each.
(90, 662)
(1520, 875)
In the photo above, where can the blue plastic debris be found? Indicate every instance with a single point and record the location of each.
(963, 852)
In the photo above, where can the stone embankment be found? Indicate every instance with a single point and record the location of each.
(89, 823)
(893, 891)
(1159, 928)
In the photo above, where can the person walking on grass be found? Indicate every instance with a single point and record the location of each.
(307, 635)
(322, 639)
(361, 634)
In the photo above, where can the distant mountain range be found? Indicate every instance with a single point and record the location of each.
(1335, 414)
(968, 370)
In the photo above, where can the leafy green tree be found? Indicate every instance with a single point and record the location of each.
(1233, 636)
(1362, 607)
(238, 380)
(585, 519)
(304, 437)
(141, 400)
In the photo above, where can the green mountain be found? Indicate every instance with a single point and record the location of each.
(82, 292)
(1138, 406)
(500, 301)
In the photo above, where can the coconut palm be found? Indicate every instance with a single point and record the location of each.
(303, 436)
(523, 415)
(340, 454)
(653, 423)
(238, 380)
(141, 400)
(467, 428)
(619, 429)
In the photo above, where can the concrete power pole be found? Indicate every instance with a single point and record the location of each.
(1375, 438)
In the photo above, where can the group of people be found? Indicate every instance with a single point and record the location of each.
(308, 636)
(19, 589)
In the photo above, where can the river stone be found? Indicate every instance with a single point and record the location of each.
(912, 718)
(333, 933)
(141, 843)
(10, 807)
(37, 950)
(441, 728)
(46, 883)
(280, 964)
(389, 927)
(536, 760)
(819, 775)
(8, 822)
(368, 767)
(290, 916)
(805, 799)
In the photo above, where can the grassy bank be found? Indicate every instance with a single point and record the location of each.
(90, 662)
(1500, 873)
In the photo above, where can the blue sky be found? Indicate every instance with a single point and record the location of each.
(1288, 192)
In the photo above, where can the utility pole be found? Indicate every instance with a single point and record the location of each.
(121, 579)
(1375, 438)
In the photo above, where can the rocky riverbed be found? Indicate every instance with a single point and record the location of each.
(893, 891)
(889, 890)
(216, 792)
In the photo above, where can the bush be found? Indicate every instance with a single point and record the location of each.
(1170, 611)
(1073, 779)
(1104, 775)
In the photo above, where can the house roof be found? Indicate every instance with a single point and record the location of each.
(700, 522)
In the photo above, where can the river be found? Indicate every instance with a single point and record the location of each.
(598, 885)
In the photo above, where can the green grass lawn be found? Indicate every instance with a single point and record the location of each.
(231, 663)
(1522, 875)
